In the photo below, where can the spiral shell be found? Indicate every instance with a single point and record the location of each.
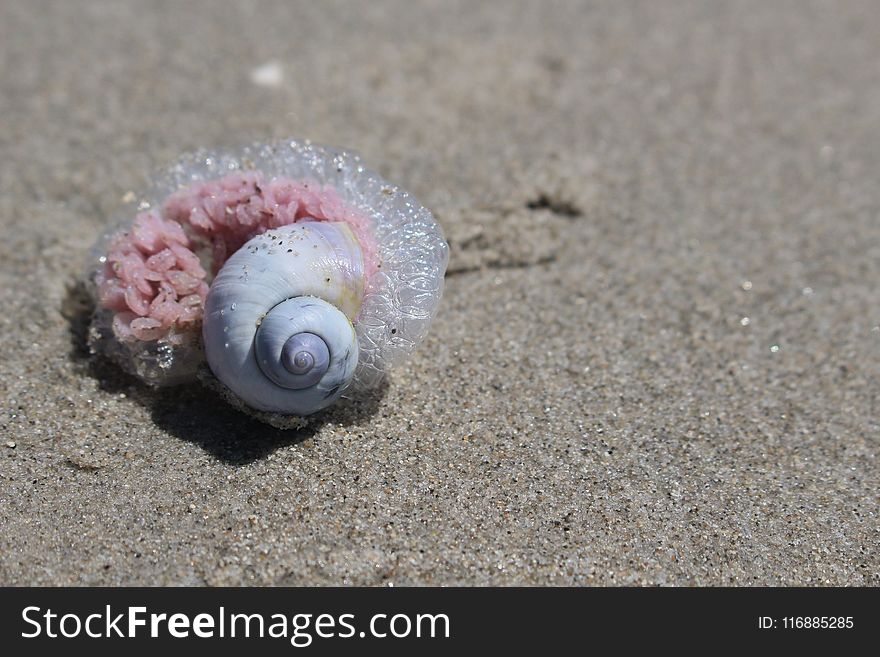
(202, 266)
(278, 319)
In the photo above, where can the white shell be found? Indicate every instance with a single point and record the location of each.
(276, 279)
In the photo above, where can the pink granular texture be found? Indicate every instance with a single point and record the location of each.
(153, 278)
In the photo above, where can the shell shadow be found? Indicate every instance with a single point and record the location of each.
(192, 412)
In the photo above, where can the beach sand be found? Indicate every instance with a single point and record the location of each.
(656, 360)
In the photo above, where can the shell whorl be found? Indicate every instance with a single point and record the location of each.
(278, 318)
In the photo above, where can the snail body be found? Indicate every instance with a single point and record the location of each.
(289, 270)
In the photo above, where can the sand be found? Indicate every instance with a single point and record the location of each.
(656, 361)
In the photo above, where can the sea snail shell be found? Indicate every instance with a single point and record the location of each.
(278, 319)
(324, 277)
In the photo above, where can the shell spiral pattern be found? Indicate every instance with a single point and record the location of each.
(288, 268)
(278, 319)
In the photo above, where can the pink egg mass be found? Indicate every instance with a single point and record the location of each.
(155, 282)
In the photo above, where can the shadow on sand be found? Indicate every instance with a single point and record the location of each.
(195, 414)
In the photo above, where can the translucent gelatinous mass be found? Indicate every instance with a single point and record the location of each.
(153, 276)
